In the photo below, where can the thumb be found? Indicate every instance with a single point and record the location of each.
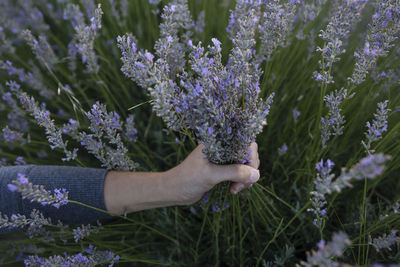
(236, 173)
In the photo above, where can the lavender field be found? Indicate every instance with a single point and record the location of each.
(137, 85)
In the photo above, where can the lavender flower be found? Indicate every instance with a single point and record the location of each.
(282, 150)
(19, 161)
(368, 167)
(106, 125)
(383, 31)
(335, 33)
(36, 221)
(93, 258)
(218, 102)
(296, 114)
(200, 23)
(41, 48)
(71, 128)
(130, 130)
(83, 42)
(385, 241)
(275, 25)
(322, 185)
(377, 127)
(332, 124)
(154, 2)
(33, 80)
(81, 232)
(307, 11)
(10, 136)
(323, 256)
(73, 13)
(42, 117)
(38, 193)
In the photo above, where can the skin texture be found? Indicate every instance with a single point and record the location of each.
(184, 184)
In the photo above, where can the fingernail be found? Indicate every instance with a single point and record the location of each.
(254, 175)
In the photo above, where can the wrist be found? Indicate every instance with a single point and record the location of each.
(135, 191)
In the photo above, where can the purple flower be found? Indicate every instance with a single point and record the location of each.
(326, 251)
(377, 127)
(38, 193)
(12, 187)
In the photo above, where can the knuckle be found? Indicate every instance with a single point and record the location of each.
(242, 171)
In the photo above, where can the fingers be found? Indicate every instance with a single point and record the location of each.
(235, 172)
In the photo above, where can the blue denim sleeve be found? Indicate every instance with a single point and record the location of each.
(85, 185)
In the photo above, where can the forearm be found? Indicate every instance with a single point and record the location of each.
(83, 184)
(135, 191)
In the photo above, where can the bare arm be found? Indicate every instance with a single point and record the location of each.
(183, 185)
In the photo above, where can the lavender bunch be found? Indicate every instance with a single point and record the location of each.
(383, 31)
(335, 33)
(93, 258)
(377, 127)
(106, 125)
(37, 193)
(220, 103)
(326, 251)
(385, 241)
(368, 167)
(42, 117)
(41, 48)
(332, 124)
(83, 41)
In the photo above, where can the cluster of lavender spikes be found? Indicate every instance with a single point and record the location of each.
(377, 127)
(219, 103)
(323, 256)
(106, 125)
(335, 33)
(383, 31)
(38, 193)
(368, 167)
(274, 23)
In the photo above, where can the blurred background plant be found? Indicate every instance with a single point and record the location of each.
(85, 112)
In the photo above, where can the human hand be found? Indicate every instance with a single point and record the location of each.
(183, 185)
(188, 181)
